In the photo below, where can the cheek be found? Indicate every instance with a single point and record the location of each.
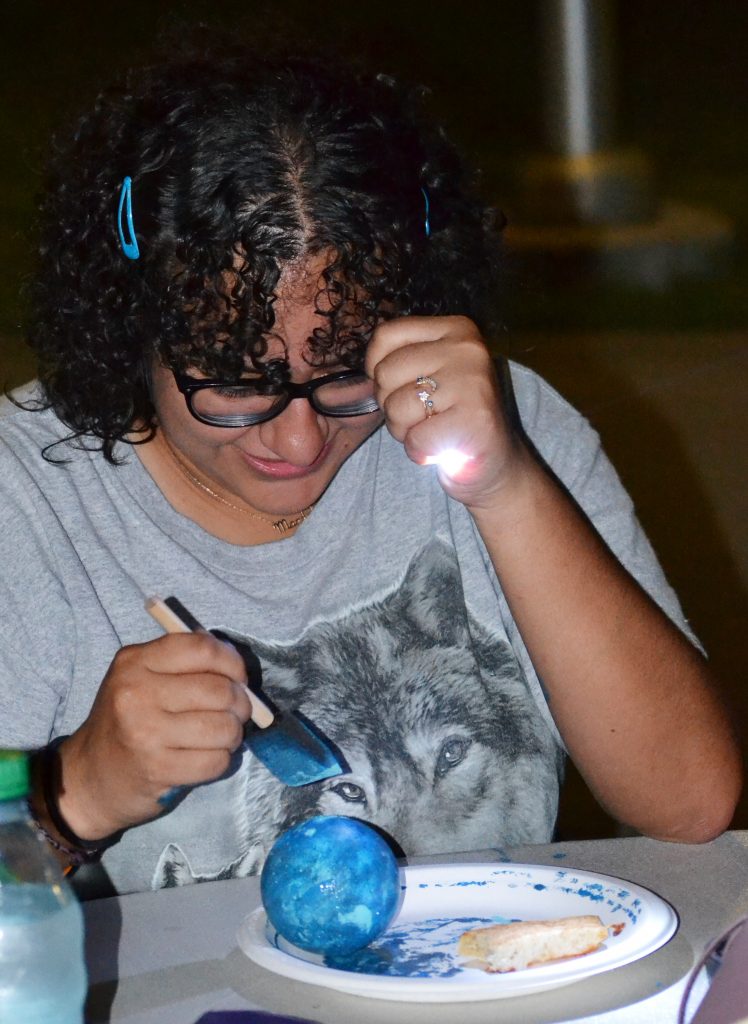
(186, 433)
(355, 433)
(177, 422)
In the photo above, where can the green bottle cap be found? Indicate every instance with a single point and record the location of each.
(14, 774)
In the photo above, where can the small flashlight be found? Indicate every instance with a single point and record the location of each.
(451, 460)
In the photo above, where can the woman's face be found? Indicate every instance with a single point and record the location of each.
(283, 464)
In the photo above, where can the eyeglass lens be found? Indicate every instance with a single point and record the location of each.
(235, 404)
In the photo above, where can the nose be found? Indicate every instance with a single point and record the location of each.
(297, 435)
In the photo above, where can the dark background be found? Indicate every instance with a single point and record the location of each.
(681, 85)
(681, 97)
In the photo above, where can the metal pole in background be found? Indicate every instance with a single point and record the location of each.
(585, 206)
(576, 66)
(580, 174)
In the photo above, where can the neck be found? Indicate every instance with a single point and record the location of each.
(197, 500)
(283, 524)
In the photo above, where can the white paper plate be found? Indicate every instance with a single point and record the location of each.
(416, 960)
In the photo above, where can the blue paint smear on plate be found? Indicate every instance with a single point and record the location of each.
(592, 892)
(467, 883)
(609, 896)
(569, 883)
(420, 949)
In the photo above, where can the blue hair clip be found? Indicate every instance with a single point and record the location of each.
(426, 222)
(129, 245)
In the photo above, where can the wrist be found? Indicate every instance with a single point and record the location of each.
(49, 817)
(516, 488)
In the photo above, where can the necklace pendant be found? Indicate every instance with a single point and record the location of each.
(284, 525)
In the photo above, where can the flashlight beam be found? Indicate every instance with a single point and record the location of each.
(451, 460)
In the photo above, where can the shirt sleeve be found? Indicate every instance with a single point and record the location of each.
(36, 625)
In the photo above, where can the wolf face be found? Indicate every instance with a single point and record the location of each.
(446, 747)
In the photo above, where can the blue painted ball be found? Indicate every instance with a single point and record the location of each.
(330, 885)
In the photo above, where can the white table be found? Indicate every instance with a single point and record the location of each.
(167, 957)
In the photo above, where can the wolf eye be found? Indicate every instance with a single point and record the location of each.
(450, 755)
(350, 792)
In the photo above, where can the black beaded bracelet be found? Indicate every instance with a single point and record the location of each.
(75, 857)
(79, 850)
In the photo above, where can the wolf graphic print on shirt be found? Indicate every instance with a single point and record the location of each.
(446, 748)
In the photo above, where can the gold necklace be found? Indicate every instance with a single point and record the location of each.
(281, 525)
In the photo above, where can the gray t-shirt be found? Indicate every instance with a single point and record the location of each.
(381, 619)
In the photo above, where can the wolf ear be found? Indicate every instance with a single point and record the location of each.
(173, 869)
(285, 661)
(431, 595)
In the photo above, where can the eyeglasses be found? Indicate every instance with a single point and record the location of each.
(244, 403)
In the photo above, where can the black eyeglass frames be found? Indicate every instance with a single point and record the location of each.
(244, 403)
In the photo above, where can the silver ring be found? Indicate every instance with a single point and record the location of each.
(426, 386)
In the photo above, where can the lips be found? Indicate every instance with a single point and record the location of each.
(284, 470)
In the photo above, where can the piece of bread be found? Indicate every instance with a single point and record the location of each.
(509, 947)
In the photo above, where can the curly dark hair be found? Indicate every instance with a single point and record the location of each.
(240, 165)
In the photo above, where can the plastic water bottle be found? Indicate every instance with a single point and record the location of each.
(42, 966)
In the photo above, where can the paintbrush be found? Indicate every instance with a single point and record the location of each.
(294, 751)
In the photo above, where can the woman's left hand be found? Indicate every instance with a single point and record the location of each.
(470, 412)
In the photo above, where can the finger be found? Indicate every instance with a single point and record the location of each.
(203, 691)
(427, 438)
(404, 408)
(180, 653)
(211, 730)
(392, 335)
(182, 767)
(455, 351)
(414, 368)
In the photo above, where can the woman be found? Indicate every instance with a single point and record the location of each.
(261, 313)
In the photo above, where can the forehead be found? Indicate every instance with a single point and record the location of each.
(301, 281)
(316, 317)
(300, 306)
(298, 299)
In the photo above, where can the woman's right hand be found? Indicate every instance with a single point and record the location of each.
(169, 712)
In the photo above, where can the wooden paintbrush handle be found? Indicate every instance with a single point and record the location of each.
(183, 622)
(165, 617)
